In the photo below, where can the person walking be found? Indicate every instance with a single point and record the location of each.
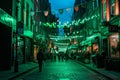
(54, 55)
(40, 58)
(66, 55)
(57, 54)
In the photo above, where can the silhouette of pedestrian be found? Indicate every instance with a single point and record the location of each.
(62, 56)
(40, 58)
(54, 55)
(59, 57)
(66, 55)
(57, 54)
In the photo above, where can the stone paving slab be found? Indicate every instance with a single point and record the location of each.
(9, 74)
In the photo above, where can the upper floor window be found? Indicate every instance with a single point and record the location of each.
(104, 9)
(117, 6)
(112, 7)
(95, 4)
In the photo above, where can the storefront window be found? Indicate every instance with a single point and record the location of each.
(95, 47)
(89, 49)
(114, 46)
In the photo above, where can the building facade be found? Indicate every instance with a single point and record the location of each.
(101, 25)
(17, 30)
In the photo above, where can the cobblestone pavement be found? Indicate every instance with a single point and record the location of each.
(62, 71)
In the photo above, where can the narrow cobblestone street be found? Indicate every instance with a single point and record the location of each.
(73, 39)
(62, 71)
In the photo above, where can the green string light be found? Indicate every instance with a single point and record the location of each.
(67, 24)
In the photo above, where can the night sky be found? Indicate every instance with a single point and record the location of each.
(66, 5)
(67, 8)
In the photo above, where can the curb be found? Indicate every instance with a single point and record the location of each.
(22, 73)
(108, 77)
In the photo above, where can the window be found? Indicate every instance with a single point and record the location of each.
(104, 10)
(112, 7)
(114, 45)
(95, 4)
(119, 7)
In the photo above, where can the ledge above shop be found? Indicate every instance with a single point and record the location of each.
(28, 33)
(8, 20)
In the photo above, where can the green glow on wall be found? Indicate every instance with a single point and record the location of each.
(50, 26)
(67, 26)
(58, 26)
(77, 32)
(28, 33)
(54, 26)
(7, 19)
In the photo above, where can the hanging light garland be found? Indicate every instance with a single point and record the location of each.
(68, 9)
(68, 25)
(61, 11)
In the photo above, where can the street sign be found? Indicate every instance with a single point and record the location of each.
(113, 28)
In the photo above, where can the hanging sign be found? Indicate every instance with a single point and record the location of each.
(60, 11)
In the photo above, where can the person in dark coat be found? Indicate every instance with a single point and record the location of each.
(40, 58)
(66, 55)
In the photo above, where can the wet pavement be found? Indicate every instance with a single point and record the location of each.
(69, 70)
(23, 68)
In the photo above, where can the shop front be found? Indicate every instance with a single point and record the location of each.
(5, 47)
(114, 51)
(22, 50)
(29, 47)
(113, 60)
(94, 49)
